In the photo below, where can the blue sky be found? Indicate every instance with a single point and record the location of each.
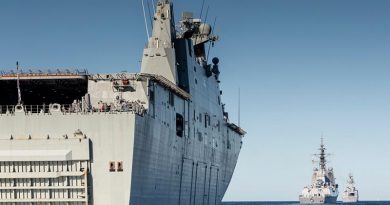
(304, 68)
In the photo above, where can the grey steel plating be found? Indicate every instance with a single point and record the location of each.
(161, 136)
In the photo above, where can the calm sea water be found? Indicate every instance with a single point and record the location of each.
(297, 203)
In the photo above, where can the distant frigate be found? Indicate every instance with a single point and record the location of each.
(323, 188)
(351, 194)
(161, 136)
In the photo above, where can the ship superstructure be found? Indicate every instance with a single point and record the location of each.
(323, 188)
(350, 194)
(161, 136)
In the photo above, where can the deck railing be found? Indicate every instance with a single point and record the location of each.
(134, 107)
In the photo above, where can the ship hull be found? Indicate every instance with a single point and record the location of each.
(318, 200)
(155, 137)
(350, 199)
(151, 165)
(168, 169)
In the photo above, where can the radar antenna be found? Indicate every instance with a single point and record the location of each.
(211, 43)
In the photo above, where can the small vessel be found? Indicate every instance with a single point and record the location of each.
(351, 194)
(323, 188)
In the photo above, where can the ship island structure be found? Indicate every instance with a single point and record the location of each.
(350, 194)
(161, 136)
(323, 188)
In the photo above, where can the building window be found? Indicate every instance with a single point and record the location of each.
(179, 125)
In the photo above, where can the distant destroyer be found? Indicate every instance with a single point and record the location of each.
(351, 194)
(323, 188)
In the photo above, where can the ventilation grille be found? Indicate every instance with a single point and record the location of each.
(44, 182)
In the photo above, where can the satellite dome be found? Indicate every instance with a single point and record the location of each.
(205, 29)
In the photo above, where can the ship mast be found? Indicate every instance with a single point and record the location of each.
(322, 156)
(159, 56)
(350, 180)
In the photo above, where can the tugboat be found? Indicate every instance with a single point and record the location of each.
(323, 188)
(351, 194)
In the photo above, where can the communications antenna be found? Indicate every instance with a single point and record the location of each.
(146, 23)
(239, 106)
(18, 84)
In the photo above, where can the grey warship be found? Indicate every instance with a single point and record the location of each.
(323, 188)
(161, 136)
(350, 194)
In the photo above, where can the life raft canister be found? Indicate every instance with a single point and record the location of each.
(125, 81)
